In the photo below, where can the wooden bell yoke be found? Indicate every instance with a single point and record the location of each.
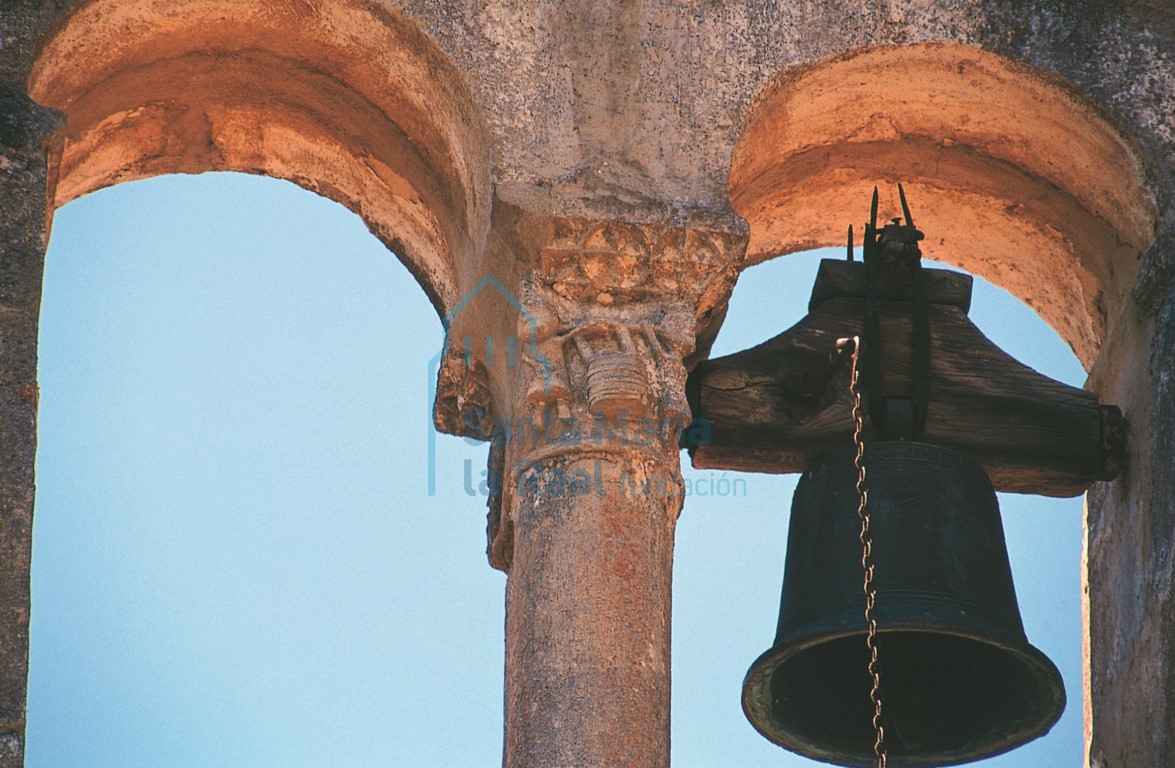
(929, 374)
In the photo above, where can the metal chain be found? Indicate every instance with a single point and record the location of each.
(866, 537)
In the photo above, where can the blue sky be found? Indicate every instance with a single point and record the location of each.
(236, 560)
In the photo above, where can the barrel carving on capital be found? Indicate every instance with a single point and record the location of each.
(582, 352)
(348, 99)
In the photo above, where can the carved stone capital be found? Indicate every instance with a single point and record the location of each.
(606, 391)
(609, 369)
(608, 263)
(577, 344)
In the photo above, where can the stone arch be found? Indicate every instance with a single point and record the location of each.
(346, 99)
(1011, 176)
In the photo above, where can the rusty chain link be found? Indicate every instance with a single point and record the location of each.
(866, 537)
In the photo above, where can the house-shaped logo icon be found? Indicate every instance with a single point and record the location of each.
(511, 347)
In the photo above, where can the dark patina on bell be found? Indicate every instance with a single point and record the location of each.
(959, 679)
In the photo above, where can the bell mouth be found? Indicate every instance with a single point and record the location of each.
(946, 698)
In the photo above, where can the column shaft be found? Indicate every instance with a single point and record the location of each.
(588, 615)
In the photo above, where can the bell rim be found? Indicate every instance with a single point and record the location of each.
(759, 675)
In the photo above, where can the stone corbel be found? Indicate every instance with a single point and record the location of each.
(463, 389)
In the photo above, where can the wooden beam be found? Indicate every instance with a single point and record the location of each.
(777, 406)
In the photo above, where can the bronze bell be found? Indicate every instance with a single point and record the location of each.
(960, 681)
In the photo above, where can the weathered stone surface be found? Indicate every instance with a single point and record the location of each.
(588, 614)
(23, 236)
(1130, 558)
(571, 176)
(557, 80)
(1157, 275)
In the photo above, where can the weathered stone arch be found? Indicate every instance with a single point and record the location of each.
(346, 99)
(1011, 176)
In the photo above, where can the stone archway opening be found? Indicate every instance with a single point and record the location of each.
(348, 100)
(1043, 536)
(1011, 177)
(231, 522)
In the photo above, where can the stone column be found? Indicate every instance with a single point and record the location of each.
(23, 237)
(584, 433)
(593, 498)
(1129, 595)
